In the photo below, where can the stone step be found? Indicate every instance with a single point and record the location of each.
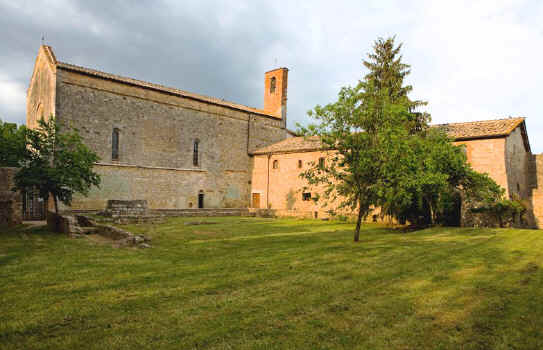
(88, 230)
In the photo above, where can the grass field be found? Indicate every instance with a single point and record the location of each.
(247, 283)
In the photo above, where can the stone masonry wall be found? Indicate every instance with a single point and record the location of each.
(537, 191)
(40, 101)
(516, 159)
(488, 156)
(157, 133)
(275, 100)
(11, 206)
(503, 159)
(285, 194)
(117, 208)
(166, 188)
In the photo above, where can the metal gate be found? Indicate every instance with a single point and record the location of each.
(33, 206)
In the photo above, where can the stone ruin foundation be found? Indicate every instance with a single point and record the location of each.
(118, 208)
(130, 212)
(77, 226)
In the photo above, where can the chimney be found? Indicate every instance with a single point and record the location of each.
(275, 93)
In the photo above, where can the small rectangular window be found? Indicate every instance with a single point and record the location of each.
(306, 196)
(321, 162)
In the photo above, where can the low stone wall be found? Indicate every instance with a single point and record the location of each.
(201, 212)
(158, 215)
(11, 211)
(127, 220)
(116, 208)
(479, 219)
(11, 202)
(274, 213)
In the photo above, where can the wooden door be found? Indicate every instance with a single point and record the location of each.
(256, 200)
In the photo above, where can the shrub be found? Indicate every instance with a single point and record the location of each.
(504, 211)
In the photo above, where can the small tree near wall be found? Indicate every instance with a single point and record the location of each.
(58, 164)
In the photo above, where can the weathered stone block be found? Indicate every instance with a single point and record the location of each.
(118, 208)
(11, 205)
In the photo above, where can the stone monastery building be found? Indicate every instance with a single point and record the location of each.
(180, 150)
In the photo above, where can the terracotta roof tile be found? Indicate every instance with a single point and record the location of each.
(292, 132)
(480, 129)
(292, 144)
(161, 88)
(457, 131)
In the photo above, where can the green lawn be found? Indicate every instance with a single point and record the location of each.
(247, 283)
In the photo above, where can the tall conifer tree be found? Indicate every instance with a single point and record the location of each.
(380, 151)
(387, 73)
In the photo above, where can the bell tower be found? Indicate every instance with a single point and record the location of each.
(275, 93)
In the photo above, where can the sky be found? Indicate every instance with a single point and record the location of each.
(471, 60)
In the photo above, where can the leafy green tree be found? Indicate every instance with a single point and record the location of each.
(431, 179)
(382, 153)
(502, 210)
(13, 148)
(58, 164)
(363, 131)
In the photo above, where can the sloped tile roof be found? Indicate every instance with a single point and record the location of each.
(458, 131)
(292, 132)
(292, 144)
(480, 129)
(156, 87)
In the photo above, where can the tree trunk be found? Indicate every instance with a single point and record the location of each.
(431, 213)
(358, 222)
(56, 204)
(430, 220)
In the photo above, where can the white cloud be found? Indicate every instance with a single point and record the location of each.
(470, 60)
(480, 56)
(12, 97)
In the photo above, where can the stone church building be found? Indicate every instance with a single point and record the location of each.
(181, 150)
(173, 148)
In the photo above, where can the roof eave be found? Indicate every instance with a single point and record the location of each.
(525, 139)
(302, 150)
(68, 67)
(481, 137)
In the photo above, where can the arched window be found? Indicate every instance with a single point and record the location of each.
(115, 144)
(272, 85)
(300, 163)
(195, 159)
(276, 164)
